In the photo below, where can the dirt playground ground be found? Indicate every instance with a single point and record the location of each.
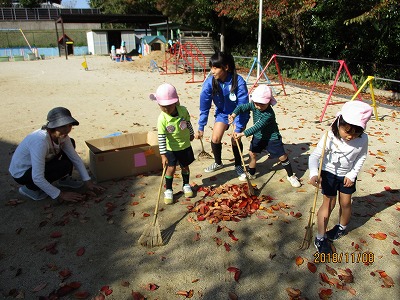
(89, 250)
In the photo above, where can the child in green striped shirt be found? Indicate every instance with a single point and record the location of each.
(265, 131)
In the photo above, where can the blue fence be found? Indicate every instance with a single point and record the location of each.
(47, 52)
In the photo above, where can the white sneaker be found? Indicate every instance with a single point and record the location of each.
(187, 190)
(69, 182)
(168, 197)
(34, 195)
(242, 177)
(294, 181)
(213, 167)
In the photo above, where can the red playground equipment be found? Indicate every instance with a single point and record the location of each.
(183, 58)
(342, 65)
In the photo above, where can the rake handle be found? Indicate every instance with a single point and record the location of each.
(308, 234)
(202, 147)
(159, 194)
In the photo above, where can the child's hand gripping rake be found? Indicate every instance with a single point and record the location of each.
(151, 236)
(203, 154)
(308, 235)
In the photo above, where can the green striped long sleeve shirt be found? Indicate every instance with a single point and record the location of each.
(264, 122)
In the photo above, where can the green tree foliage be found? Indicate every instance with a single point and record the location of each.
(30, 3)
(5, 3)
(124, 6)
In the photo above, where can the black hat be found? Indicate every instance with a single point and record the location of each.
(60, 116)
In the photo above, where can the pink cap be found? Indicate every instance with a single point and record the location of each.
(165, 95)
(263, 95)
(356, 113)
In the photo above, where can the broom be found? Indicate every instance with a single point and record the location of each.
(151, 235)
(203, 154)
(308, 235)
(251, 188)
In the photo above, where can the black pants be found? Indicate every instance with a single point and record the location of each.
(57, 168)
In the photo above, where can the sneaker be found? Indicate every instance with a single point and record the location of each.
(34, 195)
(187, 190)
(168, 197)
(239, 170)
(69, 182)
(213, 167)
(294, 181)
(323, 246)
(335, 233)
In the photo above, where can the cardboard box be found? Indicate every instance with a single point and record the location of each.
(124, 155)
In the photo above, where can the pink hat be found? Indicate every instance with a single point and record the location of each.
(165, 95)
(263, 95)
(356, 113)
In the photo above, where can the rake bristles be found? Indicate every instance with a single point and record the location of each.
(204, 154)
(151, 236)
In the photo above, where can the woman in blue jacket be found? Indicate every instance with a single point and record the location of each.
(226, 89)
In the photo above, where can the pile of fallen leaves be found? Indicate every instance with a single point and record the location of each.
(227, 202)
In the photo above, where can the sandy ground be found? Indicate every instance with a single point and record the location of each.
(97, 246)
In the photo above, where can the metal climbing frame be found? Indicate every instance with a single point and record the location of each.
(185, 58)
(342, 65)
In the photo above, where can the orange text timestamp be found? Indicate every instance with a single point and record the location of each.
(344, 257)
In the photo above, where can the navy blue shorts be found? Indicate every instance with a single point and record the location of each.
(274, 147)
(184, 157)
(331, 184)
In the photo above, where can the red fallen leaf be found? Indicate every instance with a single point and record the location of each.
(372, 274)
(388, 281)
(106, 290)
(227, 247)
(237, 275)
(324, 278)
(387, 188)
(187, 294)
(217, 240)
(196, 237)
(151, 287)
(325, 294)
(396, 243)
(146, 215)
(199, 175)
(233, 269)
(331, 271)
(55, 234)
(311, 267)
(394, 252)
(135, 203)
(232, 296)
(81, 295)
(64, 290)
(378, 235)
(293, 293)
(346, 275)
(233, 237)
(137, 296)
(65, 273)
(75, 285)
(102, 297)
(80, 251)
(299, 261)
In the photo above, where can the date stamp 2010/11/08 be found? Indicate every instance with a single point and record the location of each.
(345, 257)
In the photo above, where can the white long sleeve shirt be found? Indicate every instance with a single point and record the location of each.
(35, 150)
(342, 158)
